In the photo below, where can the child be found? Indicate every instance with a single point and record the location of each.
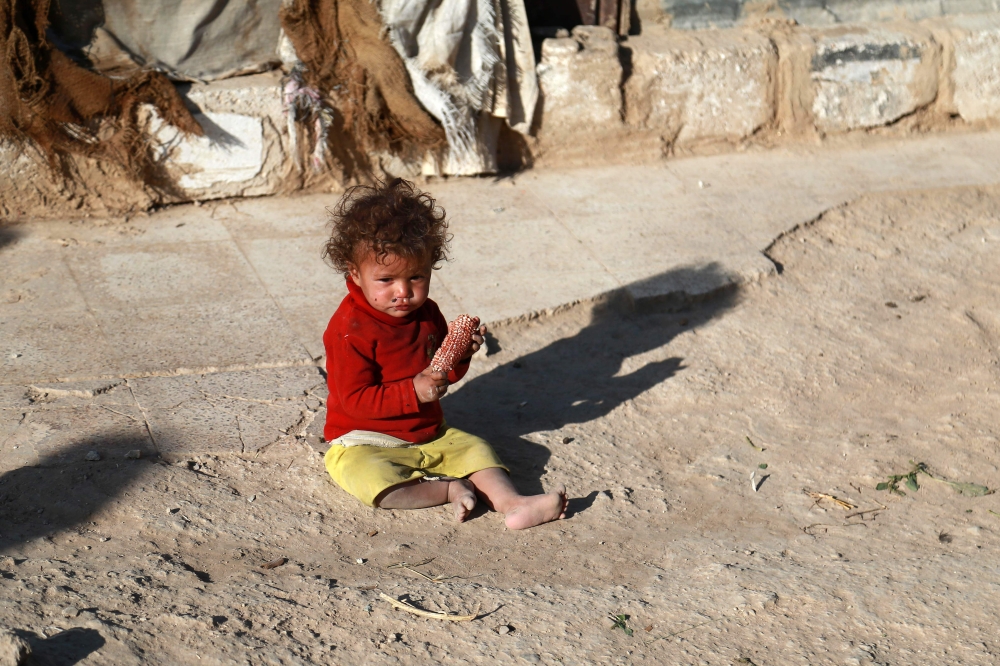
(384, 423)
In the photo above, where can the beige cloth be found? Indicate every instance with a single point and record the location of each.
(471, 64)
(186, 39)
(369, 438)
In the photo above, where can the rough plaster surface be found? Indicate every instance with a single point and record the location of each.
(871, 76)
(580, 81)
(710, 85)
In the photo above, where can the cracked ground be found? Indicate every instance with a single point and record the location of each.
(723, 458)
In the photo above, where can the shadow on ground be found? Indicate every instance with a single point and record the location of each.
(575, 379)
(63, 491)
(63, 649)
(8, 235)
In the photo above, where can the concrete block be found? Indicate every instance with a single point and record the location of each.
(229, 411)
(876, 11)
(970, 78)
(872, 76)
(803, 12)
(245, 150)
(712, 85)
(580, 81)
(699, 14)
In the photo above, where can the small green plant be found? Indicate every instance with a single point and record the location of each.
(892, 485)
(762, 466)
(620, 622)
(910, 481)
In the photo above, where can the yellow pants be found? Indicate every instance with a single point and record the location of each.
(366, 471)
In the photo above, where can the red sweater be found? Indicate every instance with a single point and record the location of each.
(371, 360)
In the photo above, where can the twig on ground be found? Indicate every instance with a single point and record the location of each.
(114, 411)
(409, 567)
(807, 528)
(846, 506)
(400, 565)
(403, 606)
(882, 507)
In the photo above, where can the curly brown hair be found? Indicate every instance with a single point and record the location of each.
(386, 218)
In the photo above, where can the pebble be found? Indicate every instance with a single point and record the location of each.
(360, 560)
(134, 454)
(251, 498)
(103, 539)
(71, 611)
(503, 629)
(92, 456)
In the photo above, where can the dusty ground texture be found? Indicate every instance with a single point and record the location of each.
(877, 345)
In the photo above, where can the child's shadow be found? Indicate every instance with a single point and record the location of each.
(575, 379)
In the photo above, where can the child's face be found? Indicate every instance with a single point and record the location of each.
(396, 286)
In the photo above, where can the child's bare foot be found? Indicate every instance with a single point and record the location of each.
(531, 510)
(462, 495)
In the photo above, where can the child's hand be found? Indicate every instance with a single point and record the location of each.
(478, 340)
(430, 385)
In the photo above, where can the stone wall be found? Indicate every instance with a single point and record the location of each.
(683, 88)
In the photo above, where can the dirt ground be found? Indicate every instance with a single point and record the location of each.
(689, 438)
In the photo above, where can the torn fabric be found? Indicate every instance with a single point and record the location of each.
(350, 63)
(472, 66)
(62, 108)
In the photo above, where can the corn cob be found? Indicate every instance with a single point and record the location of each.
(455, 344)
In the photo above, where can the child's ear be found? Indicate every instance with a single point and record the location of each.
(355, 274)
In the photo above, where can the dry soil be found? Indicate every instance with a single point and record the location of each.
(690, 437)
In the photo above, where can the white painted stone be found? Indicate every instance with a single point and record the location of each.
(580, 79)
(245, 150)
(694, 86)
(231, 152)
(867, 77)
